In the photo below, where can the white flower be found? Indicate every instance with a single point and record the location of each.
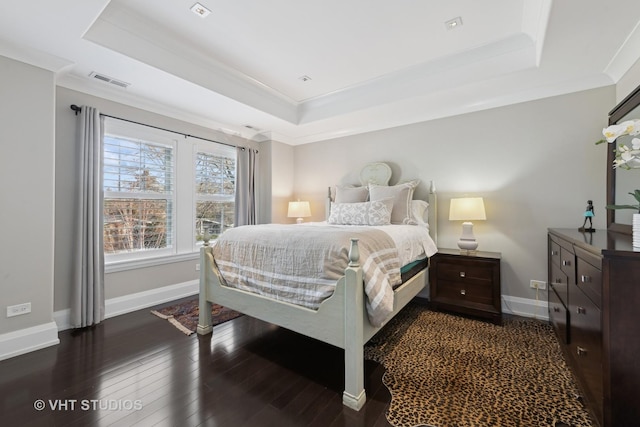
(628, 158)
(630, 127)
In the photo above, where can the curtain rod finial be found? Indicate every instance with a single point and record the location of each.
(75, 108)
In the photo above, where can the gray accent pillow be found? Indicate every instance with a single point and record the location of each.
(401, 194)
(351, 194)
(365, 213)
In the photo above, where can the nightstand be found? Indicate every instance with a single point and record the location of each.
(467, 283)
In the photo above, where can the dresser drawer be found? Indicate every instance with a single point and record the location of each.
(559, 282)
(589, 276)
(559, 316)
(554, 252)
(586, 343)
(567, 264)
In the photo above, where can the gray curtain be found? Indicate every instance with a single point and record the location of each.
(87, 304)
(246, 187)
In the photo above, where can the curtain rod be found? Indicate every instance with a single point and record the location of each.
(77, 110)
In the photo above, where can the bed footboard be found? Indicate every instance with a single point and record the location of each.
(339, 321)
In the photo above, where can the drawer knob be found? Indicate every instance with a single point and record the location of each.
(581, 351)
(585, 279)
(566, 262)
(556, 309)
(581, 310)
(463, 292)
(463, 274)
(554, 253)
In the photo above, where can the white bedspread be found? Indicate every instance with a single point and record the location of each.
(301, 264)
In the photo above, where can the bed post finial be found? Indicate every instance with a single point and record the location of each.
(354, 253)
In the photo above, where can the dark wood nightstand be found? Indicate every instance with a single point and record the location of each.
(467, 283)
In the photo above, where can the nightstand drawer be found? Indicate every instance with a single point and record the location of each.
(471, 272)
(466, 291)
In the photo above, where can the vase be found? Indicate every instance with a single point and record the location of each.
(635, 226)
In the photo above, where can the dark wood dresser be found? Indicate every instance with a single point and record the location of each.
(594, 306)
(467, 283)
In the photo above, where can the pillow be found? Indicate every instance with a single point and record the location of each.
(401, 195)
(351, 194)
(365, 213)
(420, 212)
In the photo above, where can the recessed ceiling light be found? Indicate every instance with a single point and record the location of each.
(200, 10)
(453, 23)
(304, 78)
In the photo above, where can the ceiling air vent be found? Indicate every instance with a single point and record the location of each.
(108, 79)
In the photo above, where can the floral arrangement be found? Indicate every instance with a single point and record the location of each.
(626, 157)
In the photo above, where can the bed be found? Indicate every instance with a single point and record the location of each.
(347, 316)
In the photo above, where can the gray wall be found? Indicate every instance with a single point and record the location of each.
(534, 163)
(26, 193)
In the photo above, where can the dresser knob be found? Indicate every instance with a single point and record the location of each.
(556, 309)
(581, 351)
(566, 262)
(462, 274)
(582, 310)
(554, 252)
(585, 279)
(463, 292)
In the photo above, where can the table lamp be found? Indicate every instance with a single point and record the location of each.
(467, 209)
(299, 210)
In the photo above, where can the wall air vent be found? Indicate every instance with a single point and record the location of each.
(108, 79)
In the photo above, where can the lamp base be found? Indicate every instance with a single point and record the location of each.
(467, 245)
(299, 221)
(467, 240)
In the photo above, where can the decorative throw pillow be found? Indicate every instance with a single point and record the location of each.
(365, 213)
(401, 195)
(351, 194)
(420, 211)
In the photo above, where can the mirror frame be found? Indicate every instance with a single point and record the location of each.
(619, 111)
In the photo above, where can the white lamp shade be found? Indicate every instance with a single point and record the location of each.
(299, 209)
(467, 209)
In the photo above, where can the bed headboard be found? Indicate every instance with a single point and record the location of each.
(380, 173)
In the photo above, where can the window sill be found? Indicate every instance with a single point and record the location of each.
(117, 266)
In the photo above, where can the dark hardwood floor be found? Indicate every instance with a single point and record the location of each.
(137, 369)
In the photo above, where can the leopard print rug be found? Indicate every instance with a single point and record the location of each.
(448, 371)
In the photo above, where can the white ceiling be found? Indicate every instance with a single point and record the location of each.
(372, 64)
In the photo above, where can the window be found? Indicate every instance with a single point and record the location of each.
(215, 193)
(151, 180)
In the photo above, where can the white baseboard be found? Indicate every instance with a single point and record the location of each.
(525, 307)
(28, 339)
(128, 303)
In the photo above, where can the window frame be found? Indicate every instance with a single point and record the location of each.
(216, 150)
(116, 128)
(184, 156)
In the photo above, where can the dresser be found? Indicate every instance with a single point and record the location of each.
(467, 283)
(594, 307)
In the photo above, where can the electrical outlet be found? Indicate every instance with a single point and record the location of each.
(17, 310)
(197, 267)
(538, 284)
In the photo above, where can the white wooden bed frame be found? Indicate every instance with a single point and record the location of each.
(341, 319)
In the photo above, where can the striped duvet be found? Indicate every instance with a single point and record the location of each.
(301, 264)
